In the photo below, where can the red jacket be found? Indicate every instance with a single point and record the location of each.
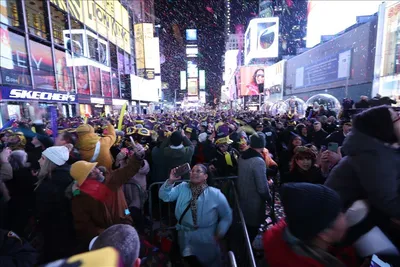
(278, 253)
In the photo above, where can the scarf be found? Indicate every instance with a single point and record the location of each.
(228, 159)
(95, 189)
(197, 190)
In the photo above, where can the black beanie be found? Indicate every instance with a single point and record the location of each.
(376, 122)
(309, 208)
(176, 138)
(257, 140)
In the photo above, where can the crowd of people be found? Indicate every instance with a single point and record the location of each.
(85, 188)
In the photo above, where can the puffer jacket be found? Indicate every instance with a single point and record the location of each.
(371, 170)
(133, 195)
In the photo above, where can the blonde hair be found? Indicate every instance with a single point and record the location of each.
(45, 171)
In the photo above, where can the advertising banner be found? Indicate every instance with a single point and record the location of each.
(273, 83)
(64, 73)
(252, 80)
(144, 49)
(9, 93)
(262, 39)
(42, 66)
(106, 83)
(183, 79)
(53, 121)
(328, 69)
(192, 87)
(107, 17)
(16, 73)
(95, 80)
(82, 80)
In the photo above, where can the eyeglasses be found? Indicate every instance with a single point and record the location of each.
(260, 75)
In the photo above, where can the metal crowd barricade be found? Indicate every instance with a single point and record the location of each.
(162, 217)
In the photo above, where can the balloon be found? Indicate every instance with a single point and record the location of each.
(328, 101)
(296, 106)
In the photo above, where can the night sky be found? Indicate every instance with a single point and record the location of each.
(208, 17)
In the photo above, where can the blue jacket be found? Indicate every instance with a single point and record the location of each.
(214, 217)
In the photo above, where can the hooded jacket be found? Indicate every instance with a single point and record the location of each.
(174, 157)
(133, 195)
(253, 187)
(87, 144)
(371, 170)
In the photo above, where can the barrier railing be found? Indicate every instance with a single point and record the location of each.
(164, 218)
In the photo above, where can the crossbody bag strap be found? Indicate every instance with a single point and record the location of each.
(187, 209)
(184, 212)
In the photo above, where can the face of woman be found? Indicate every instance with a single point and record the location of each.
(296, 142)
(197, 175)
(304, 164)
(304, 131)
(260, 77)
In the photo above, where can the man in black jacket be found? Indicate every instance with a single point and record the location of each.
(15, 252)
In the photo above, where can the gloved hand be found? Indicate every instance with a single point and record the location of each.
(138, 151)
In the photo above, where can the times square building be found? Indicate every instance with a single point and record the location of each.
(79, 61)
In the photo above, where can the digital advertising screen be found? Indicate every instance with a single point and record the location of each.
(191, 35)
(252, 80)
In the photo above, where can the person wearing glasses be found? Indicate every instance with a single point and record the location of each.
(203, 213)
(256, 86)
(370, 170)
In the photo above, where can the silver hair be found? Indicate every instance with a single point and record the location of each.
(18, 159)
(123, 238)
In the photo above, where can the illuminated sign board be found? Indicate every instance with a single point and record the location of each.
(107, 17)
(262, 39)
(36, 95)
(183, 80)
(191, 35)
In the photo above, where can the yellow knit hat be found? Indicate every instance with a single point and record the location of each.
(80, 170)
(84, 128)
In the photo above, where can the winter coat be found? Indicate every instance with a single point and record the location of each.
(158, 169)
(219, 162)
(174, 157)
(319, 137)
(278, 252)
(87, 144)
(134, 197)
(371, 170)
(214, 217)
(335, 137)
(6, 174)
(313, 175)
(253, 187)
(53, 210)
(91, 216)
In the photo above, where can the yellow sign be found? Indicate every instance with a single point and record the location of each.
(144, 36)
(107, 17)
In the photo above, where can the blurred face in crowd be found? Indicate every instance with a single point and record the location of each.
(304, 131)
(396, 123)
(42, 160)
(97, 175)
(36, 141)
(336, 232)
(317, 126)
(296, 141)
(60, 140)
(346, 129)
(304, 164)
(223, 147)
(198, 175)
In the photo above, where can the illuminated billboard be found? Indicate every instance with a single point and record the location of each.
(262, 39)
(202, 79)
(192, 70)
(145, 50)
(192, 51)
(252, 80)
(273, 82)
(107, 17)
(183, 80)
(191, 35)
(192, 87)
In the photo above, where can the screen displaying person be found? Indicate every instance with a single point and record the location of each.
(256, 86)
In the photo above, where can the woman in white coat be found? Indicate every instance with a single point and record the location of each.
(207, 219)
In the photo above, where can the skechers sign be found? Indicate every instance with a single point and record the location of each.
(22, 94)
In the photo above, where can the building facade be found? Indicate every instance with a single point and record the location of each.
(77, 55)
